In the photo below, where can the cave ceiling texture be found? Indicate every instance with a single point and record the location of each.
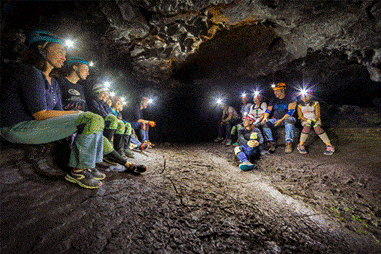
(170, 42)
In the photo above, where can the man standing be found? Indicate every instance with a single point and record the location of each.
(73, 94)
(282, 108)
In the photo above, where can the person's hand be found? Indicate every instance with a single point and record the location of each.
(152, 123)
(264, 120)
(278, 122)
(252, 143)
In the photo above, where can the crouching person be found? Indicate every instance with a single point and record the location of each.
(250, 142)
(32, 111)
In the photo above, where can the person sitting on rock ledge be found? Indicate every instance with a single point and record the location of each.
(32, 111)
(250, 140)
(229, 118)
(309, 114)
(282, 108)
(139, 123)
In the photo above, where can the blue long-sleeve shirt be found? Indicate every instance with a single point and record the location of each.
(99, 107)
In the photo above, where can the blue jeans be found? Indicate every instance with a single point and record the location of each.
(228, 128)
(144, 136)
(87, 149)
(247, 152)
(289, 125)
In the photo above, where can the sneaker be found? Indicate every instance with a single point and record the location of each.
(235, 144)
(246, 166)
(301, 149)
(218, 139)
(288, 148)
(329, 150)
(228, 143)
(129, 154)
(271, 146)
(97, 174)
(136, 168)
(83, 178)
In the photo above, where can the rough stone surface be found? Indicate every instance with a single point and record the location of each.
(194, 199)
(161, 35)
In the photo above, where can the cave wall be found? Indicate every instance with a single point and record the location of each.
(161, 37)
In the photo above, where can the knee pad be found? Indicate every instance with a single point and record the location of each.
(318, 130)
(237, 150)
(89, 123)
(128, 128)
(111, 122)
(144, 127)
(306, 129)
(120, 128)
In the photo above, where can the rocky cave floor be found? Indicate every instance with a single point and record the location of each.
(194, 199)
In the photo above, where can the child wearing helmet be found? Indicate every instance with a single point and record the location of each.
(250, 140)
(309, 114)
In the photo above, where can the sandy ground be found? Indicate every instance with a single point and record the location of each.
(194, 199)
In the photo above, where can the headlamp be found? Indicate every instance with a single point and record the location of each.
(150, 101)
(106, 84)
(243, 95)
(219, 101)
(256, 93)
(91, 63)
(112, 94)
(305, 91)
(69, 43)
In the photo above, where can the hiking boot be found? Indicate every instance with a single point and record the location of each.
(271, 146)
(301, 149)
(329, 150)
(97, 174)
(288, 148)
(246, 166)
(83, 178)
(218, 139)
(129, 154)
(228, 143)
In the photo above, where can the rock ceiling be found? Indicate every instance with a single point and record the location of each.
(188, 40)
(191, 39)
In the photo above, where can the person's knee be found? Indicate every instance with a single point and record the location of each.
(290, 120)
(120, 129)
(306, 129)
(89, 123)
(237, 150)
(318, 130)
(128, 128)
(111, 122)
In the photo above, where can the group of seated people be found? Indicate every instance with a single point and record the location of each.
(36, 109)
(259, 119)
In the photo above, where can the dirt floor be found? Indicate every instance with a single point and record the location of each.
(194, 199)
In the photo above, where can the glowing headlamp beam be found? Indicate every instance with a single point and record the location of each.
(91, 63)
(243, 95)
(150, 101)
(112, 94)
(107, 84)
(69, 43)
(219, 101)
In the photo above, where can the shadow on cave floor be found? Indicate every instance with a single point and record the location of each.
(194, 199)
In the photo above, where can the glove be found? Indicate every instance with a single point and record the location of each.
(310, 122)
(152, 123)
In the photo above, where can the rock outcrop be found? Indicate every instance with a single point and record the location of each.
(161, 37)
